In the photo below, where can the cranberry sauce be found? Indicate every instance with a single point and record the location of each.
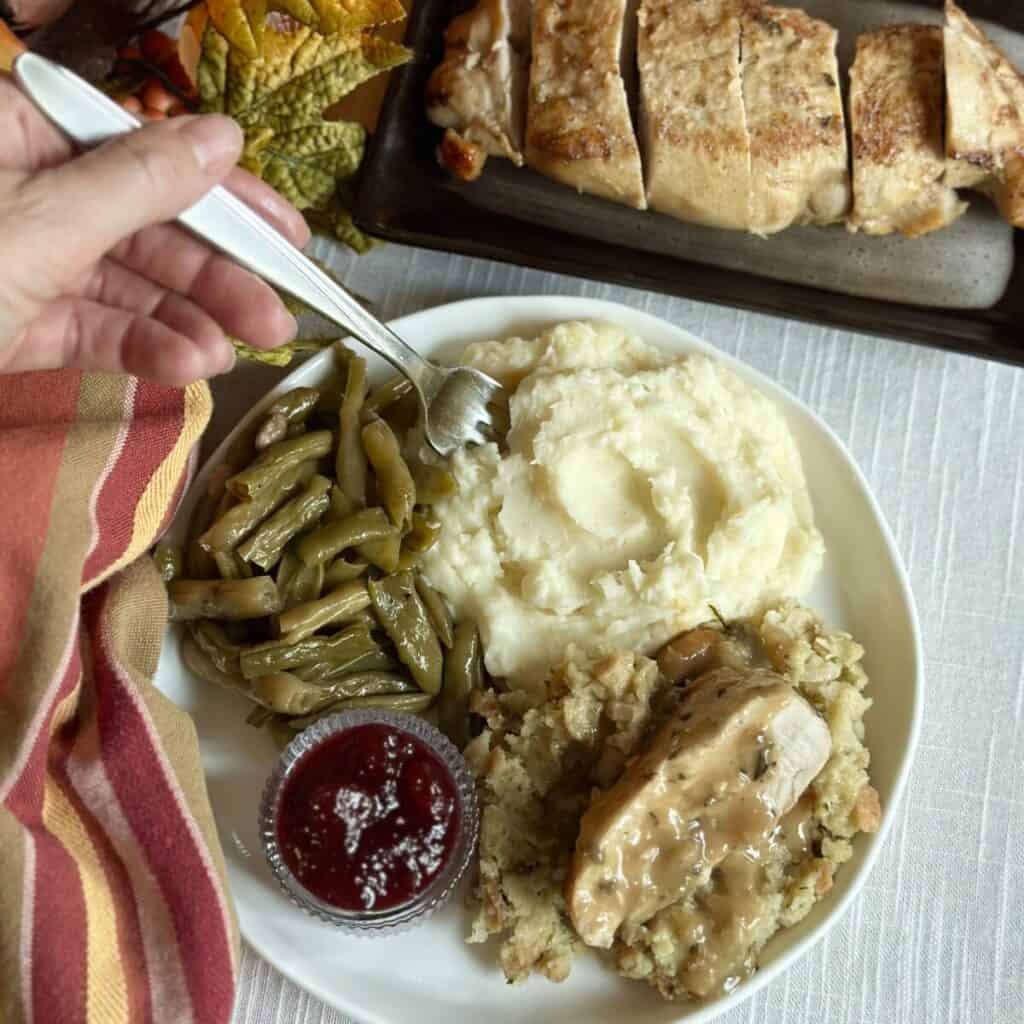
(368, 818)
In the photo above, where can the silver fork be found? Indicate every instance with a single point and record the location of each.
(460, 405)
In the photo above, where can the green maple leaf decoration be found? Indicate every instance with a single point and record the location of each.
(279, 99)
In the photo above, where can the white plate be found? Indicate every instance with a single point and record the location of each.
(430, 974)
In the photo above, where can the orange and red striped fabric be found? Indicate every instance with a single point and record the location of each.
(112, 904)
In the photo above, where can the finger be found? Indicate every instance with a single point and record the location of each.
(86, 206)
(27, 140)
(114, 285)
(270, 205)
(239, 301)
(88, 335)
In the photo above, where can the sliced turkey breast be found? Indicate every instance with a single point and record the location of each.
(478, 92)
(899, 161)
(578, 128)
(984, 116)
(794, 113)
(696, 147)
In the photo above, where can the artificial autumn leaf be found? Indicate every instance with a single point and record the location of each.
(328, 16)
(283, 354)
(242, 22)
(279, 101)
(10, 47)
(335, 221)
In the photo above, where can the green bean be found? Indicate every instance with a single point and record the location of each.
(402, 414)
(351, 467)
(273, 429)
(211, 639)
(203, 512)
(340, 605)
(332, 391)
(295, 405)
(334, 537)
(198, 563)
(198, 662)
(433, 483)
(365, 683)
(268, 466)
(243, 519)
(411, 703)
(404, 618)
(287, 567)
(463, 673)
(265, 546)
(407, 560)
(304, 586)
(280, 731)
(390, 391)
(259, 717)
(342, 571)
(383, 553)
(324, 671)
(224, 599)
(341, 505)
(287, 694)
(230, 566)
(227, 501)
(168, 560)
(393, 477)
(437, 610)
(369, 683)
(424, 533)
(341, 648)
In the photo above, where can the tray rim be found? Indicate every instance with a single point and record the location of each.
(390, 210)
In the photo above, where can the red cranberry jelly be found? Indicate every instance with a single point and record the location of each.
(368, 818)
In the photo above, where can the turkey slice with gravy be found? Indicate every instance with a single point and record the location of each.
(717, 778)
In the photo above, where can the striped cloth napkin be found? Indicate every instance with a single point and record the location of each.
(113, 906)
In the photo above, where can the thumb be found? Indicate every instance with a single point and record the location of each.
(87, 205)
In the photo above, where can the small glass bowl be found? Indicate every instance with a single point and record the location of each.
(439, 892)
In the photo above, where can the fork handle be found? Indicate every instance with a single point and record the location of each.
(89, 118)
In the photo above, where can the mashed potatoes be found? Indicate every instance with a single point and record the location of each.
(637, 489)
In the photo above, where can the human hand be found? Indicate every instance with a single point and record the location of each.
(91, 273)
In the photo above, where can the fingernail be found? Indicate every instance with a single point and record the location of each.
(293, 325)
(229, 360)
(216, 140)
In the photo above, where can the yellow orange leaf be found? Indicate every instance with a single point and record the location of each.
(241, 22)
(10, 47)
(329, 16)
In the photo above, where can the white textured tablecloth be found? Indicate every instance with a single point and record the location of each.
(938, 933)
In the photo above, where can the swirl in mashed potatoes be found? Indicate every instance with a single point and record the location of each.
(637, 489)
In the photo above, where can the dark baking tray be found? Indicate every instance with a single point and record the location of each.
(403, 196)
